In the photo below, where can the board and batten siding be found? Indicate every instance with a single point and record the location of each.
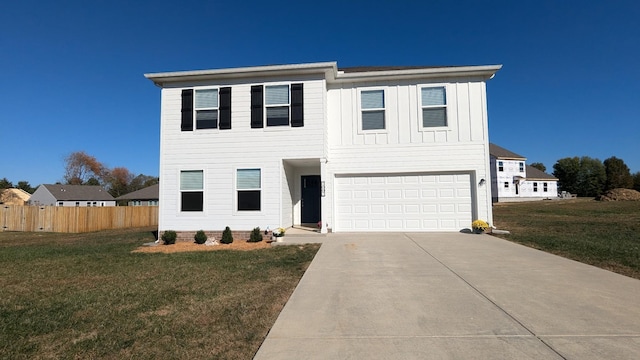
(403, 147)
(219, 153)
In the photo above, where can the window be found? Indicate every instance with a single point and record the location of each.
(191, 190)
(60, 203)
(544, 187)
(77, 203)
(500, 166)
(206, 106)
(535, 187)
(95, 203)
(434, 106)
(248, 186)
(277, 105)
(89, 203)
(506, 184)
(211, 109)
(372, 106)
(521, 167)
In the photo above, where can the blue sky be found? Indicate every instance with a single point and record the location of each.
(72, 71)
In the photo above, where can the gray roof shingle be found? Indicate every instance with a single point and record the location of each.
(536, 174)
(78, 192)
(502, 153)
(149, 193)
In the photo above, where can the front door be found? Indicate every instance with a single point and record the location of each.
(310, 204)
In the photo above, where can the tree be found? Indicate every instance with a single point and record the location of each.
(24, 185)
(142, 181)
(566, 170)
(540, 166)
(80, 167)
(117, 181)
(5, 184)
(582, 176)
(618, 174)
(636, 181)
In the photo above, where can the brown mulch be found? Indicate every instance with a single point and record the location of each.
(191, 246)
(620, 195)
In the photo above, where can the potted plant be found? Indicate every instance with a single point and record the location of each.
(479, 226)
(278, 234)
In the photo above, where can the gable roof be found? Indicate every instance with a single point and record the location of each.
(149, 193)
(536, 174)
(502, 153)
(78, 192)
(11, 194)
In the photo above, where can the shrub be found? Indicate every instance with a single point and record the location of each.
(256, 235)
(200, 237)
(169, 237)
(227, 236)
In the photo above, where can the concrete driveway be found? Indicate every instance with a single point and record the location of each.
(453, 296)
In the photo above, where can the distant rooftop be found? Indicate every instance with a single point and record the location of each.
(502, 153)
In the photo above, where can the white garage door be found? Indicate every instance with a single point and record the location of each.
(403, 203)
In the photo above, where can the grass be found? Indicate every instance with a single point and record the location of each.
(87, 296)
(603, 234)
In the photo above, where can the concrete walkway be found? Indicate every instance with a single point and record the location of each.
(453, 296)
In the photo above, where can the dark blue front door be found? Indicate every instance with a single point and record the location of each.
(310, 199)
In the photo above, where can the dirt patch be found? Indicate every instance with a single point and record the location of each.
(620, 195)
(191, 246)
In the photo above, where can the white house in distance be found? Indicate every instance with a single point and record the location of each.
(513, 180)
(71, 195)
(355, 149)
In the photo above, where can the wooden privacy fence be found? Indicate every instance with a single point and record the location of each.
(75, 219)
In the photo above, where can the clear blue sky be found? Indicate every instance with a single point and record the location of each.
(72, 71)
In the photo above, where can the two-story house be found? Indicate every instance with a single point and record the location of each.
(355, 149)
(513, 180)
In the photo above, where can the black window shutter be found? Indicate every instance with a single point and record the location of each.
(225, 108)
(256, 107)
(187, 110)
(297, 100)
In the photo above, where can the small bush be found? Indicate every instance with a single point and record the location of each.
(256, 235)
(169, 237)
(227, 236)
(200, 237)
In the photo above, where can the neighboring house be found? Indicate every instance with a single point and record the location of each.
(71, 195)
(143, 197)
(356, 149)
(513, 180)
(14, 197)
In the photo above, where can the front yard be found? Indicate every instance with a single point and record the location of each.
(88, 296)
(603, 234)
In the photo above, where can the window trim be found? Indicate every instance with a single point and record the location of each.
(545, 187)
(180, 191)
(361, 129)
(521, 166)
(196, 109)
(506, 184)
(236, 190)
(421, 107)
(535, 186)
(281, 105)
(500, 166)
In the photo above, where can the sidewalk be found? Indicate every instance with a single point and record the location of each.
(453, 296)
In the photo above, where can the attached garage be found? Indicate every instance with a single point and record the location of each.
(403, 202)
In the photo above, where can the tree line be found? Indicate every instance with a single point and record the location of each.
(84, 169)
(589, 177)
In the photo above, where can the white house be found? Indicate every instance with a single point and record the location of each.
(71, 195)
(513, 180)
(357, 149)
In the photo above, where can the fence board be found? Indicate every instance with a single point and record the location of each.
(75, 219)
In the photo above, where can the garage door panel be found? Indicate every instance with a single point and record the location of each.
(403, 203)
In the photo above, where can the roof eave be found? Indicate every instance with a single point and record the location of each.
(483, 71)
(330, 70)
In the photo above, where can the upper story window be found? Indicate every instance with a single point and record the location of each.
(500, 166)
(521, 167)
(545, 187)
(277, 105)
(535, 187)
(434, 106)
(208, 108)
(191, 190)
(372, 107)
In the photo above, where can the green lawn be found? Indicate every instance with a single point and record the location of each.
(604, 234)
(87, 296)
